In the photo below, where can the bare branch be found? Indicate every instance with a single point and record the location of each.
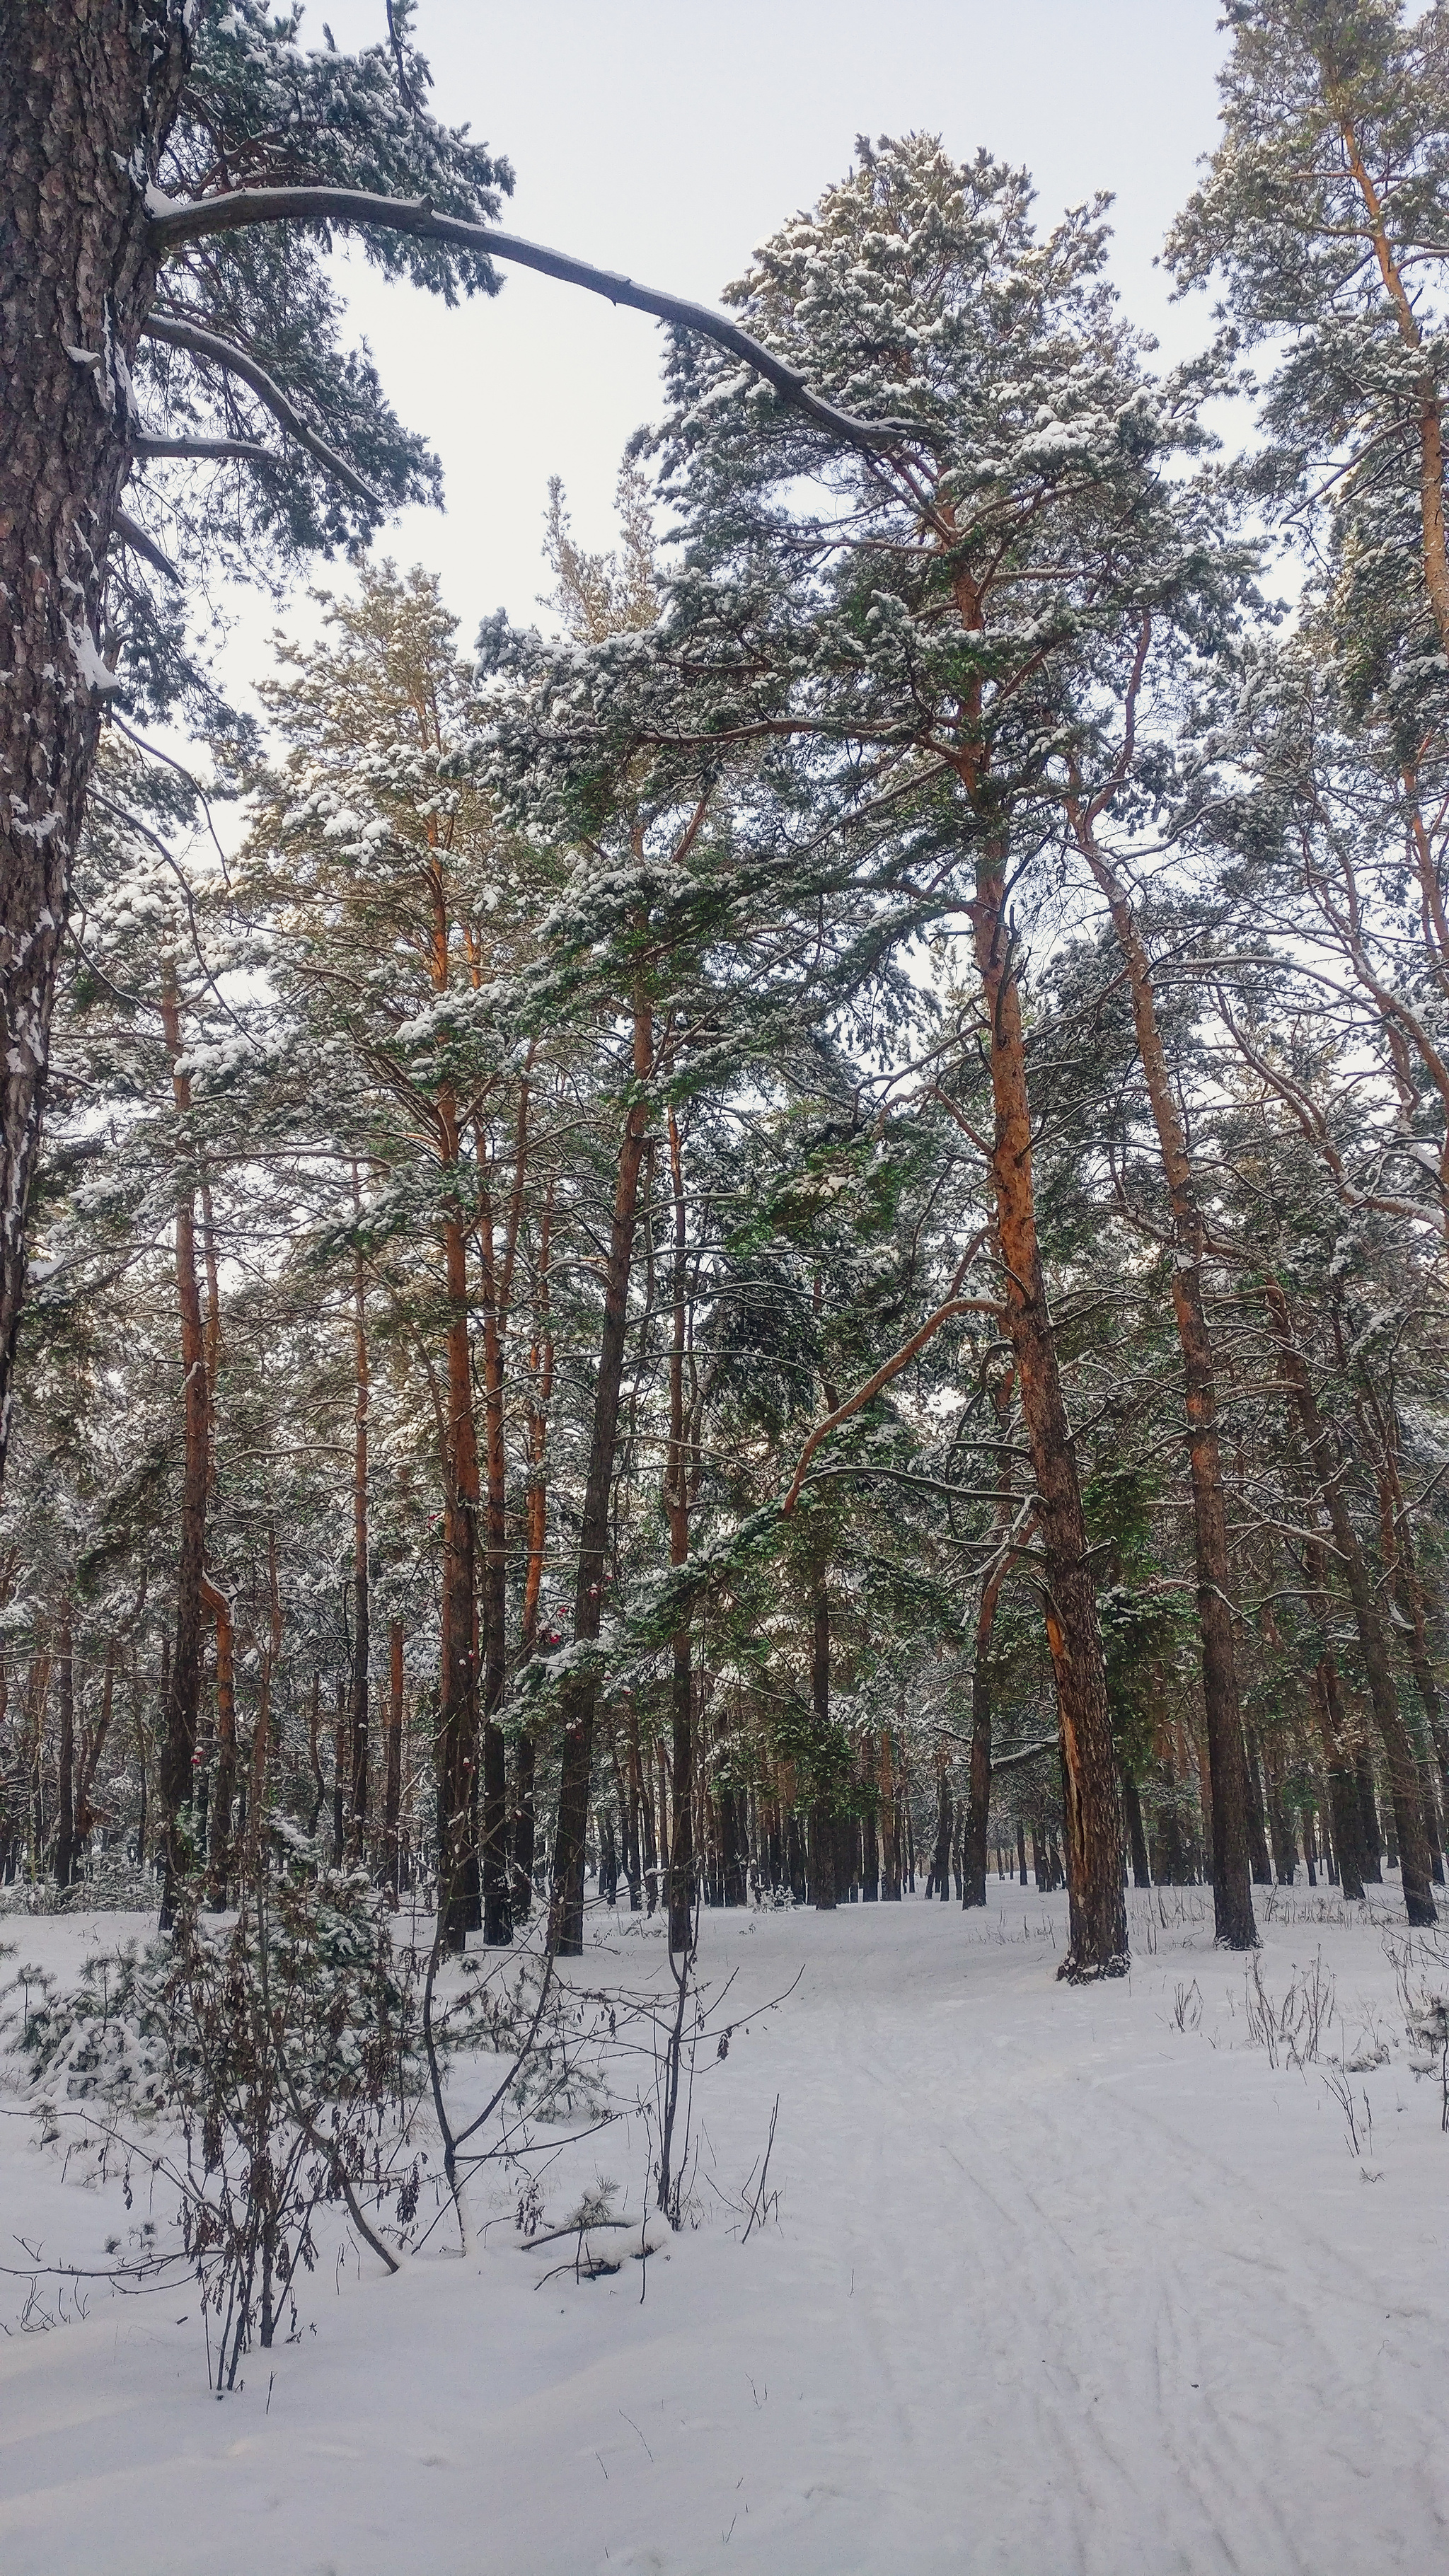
(140, 544)
(243, 206)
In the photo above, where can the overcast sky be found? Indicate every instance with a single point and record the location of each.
(667, 137)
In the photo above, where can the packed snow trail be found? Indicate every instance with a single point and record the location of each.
(1054, 2283)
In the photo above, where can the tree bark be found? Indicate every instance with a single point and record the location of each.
(65, 1834)
(361, 1639)
(178, 1751)
(580, 1690)
(219, 1873)
(1097, 1944)
(87, 97)
(822, 1809)
(392, 1785)
(1234, 1923)
(459, 1909)
(676, 1496)
(497, 1906)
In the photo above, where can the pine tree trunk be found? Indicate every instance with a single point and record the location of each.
(580, 1690)
(1136, 1838)
(1097, 1943)
(676, 1496)
(65, 1836)
(176, 1767)
(1232, 1894)
(219, 1873)
(392, 1785)
(1257, 1836)
(361, 1637)
(497, 1903)
(459, 1908)
(87, 96)
(822, 1814)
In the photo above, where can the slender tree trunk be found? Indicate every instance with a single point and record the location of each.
(497, 1908)
(1257, 1836)
(341, 1765)
(392, 1787)
(459, 1908)
(93, 1745)
(822, 1812)
(178, 1751)
(361, 1598)
(1097, 1943)
(978, 1809)
(540, 1396)
(870, 1824)
(1403, 1777)
(580, 1691)
(1136, 1838)
(65, 1834)
(221, 1855)
(890, 1823)
(676, 1496)
(1232, 1892)
(87, 96)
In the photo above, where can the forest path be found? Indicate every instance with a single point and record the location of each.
(1053, 2284)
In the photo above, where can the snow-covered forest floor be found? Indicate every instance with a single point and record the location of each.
(1083, 2280)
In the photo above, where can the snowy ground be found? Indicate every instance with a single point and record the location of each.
(1055, 2284)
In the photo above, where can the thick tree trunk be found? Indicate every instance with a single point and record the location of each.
(1097, 1944)
(87, 96)
(580, 1691)
(1394, 1735)
(1232, 1893)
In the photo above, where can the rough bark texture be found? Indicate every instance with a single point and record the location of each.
(87, 95)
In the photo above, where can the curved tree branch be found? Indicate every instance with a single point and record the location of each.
(203, 450)
(243, 206)
(140, 544)
(221, 353)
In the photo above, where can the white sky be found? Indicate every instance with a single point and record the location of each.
(665, 138)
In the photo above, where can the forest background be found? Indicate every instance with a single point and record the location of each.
(627, 1219)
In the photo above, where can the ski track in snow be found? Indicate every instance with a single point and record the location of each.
(1054, 2285)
